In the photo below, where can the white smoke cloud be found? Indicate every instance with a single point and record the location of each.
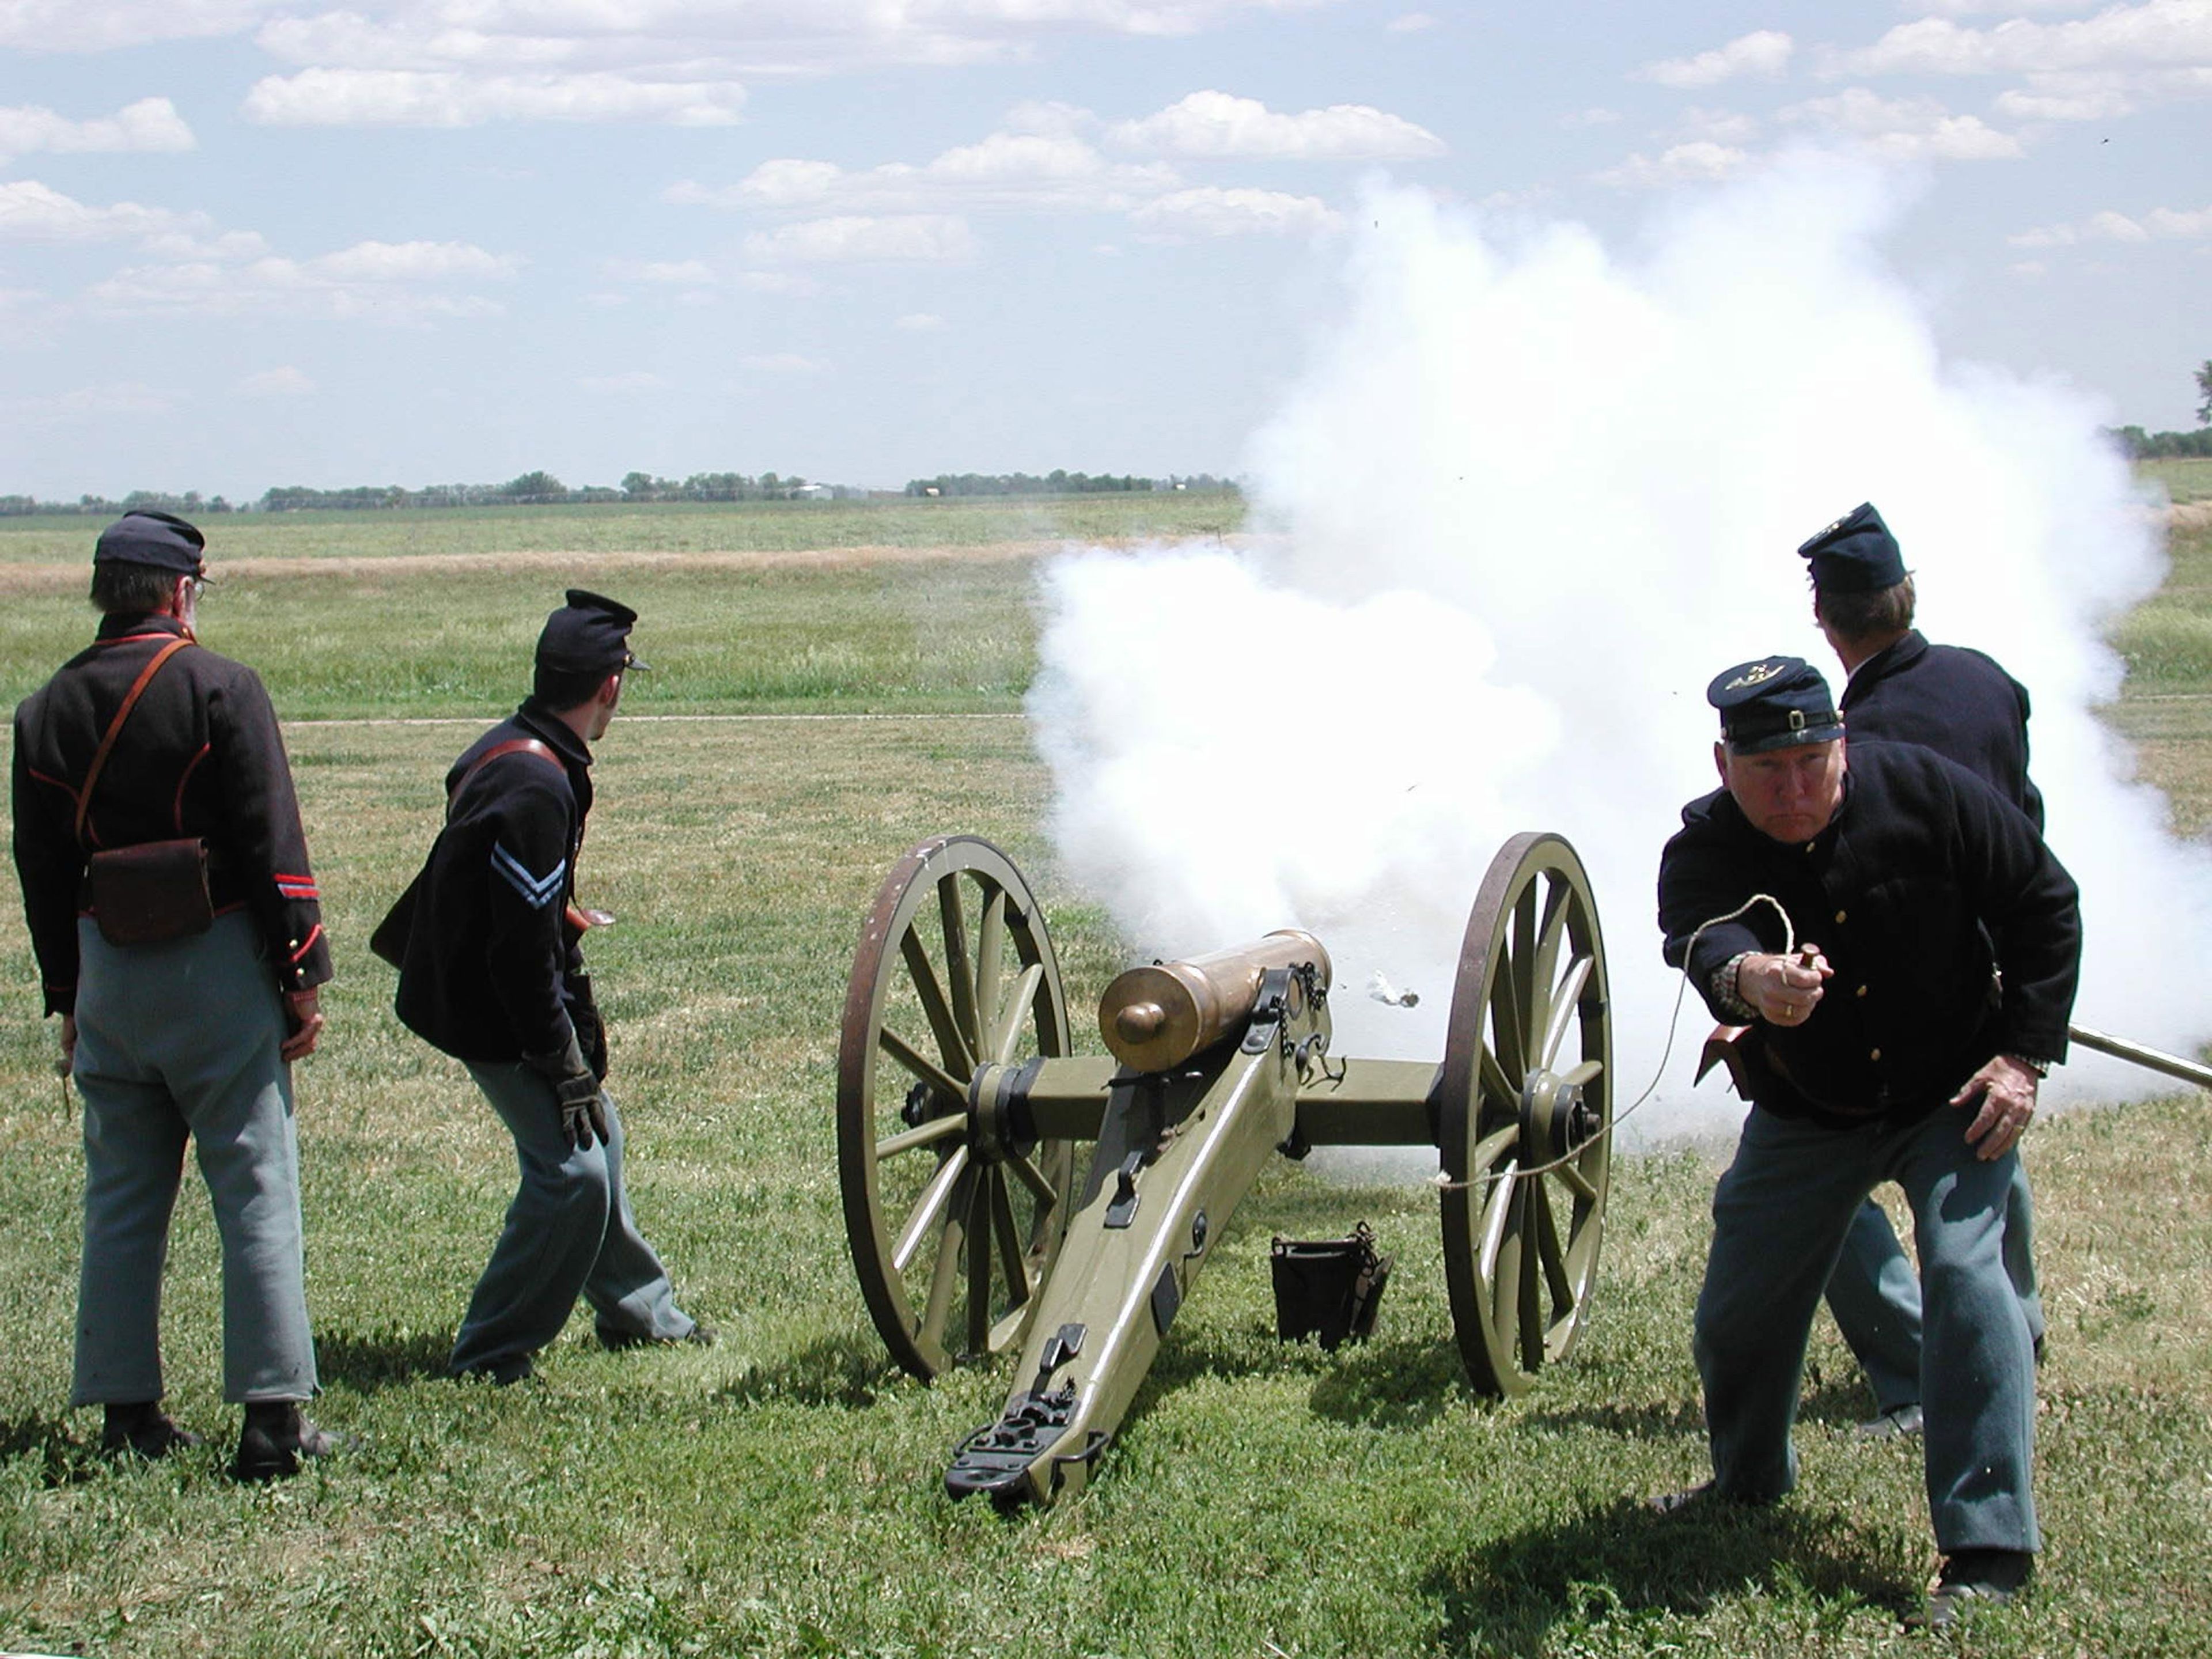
(1532, 492)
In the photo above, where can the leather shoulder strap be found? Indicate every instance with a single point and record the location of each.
(513, 746)
(115, 727)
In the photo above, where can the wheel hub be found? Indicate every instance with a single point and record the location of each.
(1556, 1120)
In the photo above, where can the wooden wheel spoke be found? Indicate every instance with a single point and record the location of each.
(926, 1134)
(1566, 1007)
(1007, 1038)
(1033, 1178)
(1553, 1253)
(958, 968)
(1580, 1184)
(1505, 1277)
(959, 1054)
(979, 1263)
(1013, 1257)
(1502, 1092)
(1544, 965)
(929, 1209)
(1487, 1150)
(1530, 1298)
(946, 1273)
(1583, 1074)
(921, 1066)
(990, 948)
(1496, 1203)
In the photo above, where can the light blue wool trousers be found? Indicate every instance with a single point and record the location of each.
(178, 1043)
(1874, 1294)
(568, 1233)
(1780, 1214)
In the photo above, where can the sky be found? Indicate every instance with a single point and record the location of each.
(246, 243)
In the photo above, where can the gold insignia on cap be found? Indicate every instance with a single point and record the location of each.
(1758, 674)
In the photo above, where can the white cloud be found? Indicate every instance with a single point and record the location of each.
(634, 380)
(31, 212)
(1409, 23)
(780, 362)
(2157, 34)
(149, 125)
(1589, 117)
(2101, 97)
(909, 238)
(445, 98)
(1213, 212)
(1906, 129)
(411, 262)
(920, 322)
(1765, 53)
(1215, 125)
(2160, 224)
(1701, 162)
(1718, 126)
(368, 281)
(1030, 171)
(283, 382)
(103, 25)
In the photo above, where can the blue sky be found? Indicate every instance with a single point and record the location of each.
(257, 242)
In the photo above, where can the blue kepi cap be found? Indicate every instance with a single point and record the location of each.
(160, 539)
(589, 634)
(1855, 555)
(1776, 702)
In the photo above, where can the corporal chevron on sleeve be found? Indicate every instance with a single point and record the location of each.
(537, 891)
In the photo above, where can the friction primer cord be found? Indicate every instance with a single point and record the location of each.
(1674, 1020)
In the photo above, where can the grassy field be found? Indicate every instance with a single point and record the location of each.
(2186, 479)
(780, 1492)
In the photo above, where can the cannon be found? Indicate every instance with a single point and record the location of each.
(1004, 1195)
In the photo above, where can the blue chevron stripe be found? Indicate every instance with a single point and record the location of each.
(537, 892)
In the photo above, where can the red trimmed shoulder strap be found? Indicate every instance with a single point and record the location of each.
(115, 727)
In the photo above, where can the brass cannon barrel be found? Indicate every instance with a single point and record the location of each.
(1160, 1015)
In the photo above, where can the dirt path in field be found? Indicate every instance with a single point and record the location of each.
(46, 578)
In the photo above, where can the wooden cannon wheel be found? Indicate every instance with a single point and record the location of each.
(950, 1240)
(1526, 1084)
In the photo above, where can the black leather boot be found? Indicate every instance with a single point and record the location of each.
(142, 1426)
(274, 1440)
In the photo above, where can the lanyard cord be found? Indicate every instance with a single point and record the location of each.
(1674, 1021)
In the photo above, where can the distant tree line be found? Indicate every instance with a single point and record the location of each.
(2138, 445)
(542, 488)
(1057, 483)
(2141, 446)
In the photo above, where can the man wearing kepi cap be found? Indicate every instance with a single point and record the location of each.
(1964, 706)
(493, 974)
(1845, 914)
(180, 938)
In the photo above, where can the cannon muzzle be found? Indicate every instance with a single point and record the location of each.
(1158, 1017)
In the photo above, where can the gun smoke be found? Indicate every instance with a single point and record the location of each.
(1528, 493)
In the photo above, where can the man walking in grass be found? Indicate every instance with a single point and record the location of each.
(179, 935)
(1964, 706)
(1890, 1051)
(492, 974)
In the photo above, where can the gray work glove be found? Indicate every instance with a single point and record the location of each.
(583, 1109)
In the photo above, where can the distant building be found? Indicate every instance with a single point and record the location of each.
(813, 492)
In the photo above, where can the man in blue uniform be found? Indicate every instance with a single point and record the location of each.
(1961, 704)
(1890, 1049)
(493, 976)
(184, 994)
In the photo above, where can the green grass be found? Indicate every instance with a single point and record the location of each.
(658, 527)
(780, 1494)
(2186, 479)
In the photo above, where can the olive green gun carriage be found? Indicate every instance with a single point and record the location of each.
(1004, 1195)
